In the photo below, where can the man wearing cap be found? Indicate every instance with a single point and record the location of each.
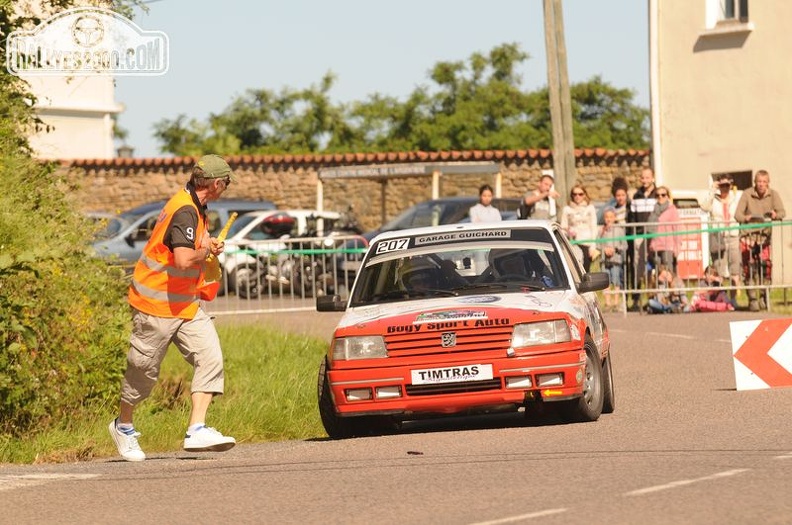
(724, 239)
(165, 299)
(758, 204)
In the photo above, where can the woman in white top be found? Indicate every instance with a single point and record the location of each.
(484, 211)
(579, 220)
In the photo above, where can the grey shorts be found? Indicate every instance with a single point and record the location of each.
(197, 341)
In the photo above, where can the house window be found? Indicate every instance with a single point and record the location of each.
(733, 11)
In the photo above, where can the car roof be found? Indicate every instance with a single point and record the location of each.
(459, 227)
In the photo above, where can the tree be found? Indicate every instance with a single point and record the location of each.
(63, 317)
(476, 104)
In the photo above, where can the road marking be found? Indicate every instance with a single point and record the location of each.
(682, 482)
(788, 455)
(30, 480)
(511, 519)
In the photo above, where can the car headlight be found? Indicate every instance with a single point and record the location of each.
(364, 347)
(543, 333)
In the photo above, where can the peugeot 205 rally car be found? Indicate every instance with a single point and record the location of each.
(463, 319)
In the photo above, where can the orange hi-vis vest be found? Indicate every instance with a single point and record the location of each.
(158, 287)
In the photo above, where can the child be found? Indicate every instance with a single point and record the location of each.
(713, 299)
(613, 249)
(668, 302)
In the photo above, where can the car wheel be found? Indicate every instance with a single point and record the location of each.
(587, 407)
(346, 427)
(247, 282)
(609, 399)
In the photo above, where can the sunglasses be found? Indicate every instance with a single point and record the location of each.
(227, 181)
(577, 194)
(662, 194)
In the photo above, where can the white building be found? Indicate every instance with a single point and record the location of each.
(78, 113)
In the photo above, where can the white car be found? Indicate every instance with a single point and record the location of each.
(463, 319)
(256, 238)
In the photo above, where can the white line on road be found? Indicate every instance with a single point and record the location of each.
(682, 482)
(678, 336)
(788, 455)
(29, 480)
(511, 519)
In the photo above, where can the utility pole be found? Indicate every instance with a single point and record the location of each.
(560, 98)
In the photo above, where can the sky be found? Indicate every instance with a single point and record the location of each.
(220, 49)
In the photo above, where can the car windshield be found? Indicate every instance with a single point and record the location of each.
(240, 223)
(109, 228)
(457, 269)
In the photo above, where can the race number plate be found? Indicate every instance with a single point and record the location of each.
(451, 374)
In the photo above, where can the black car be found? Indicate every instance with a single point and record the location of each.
(435, 212)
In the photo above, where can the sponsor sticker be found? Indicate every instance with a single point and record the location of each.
(451, 374)
(450, 315)
(464, 235)
(393, 245)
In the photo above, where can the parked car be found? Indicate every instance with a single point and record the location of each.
(255, 236)
(461, 319)
(124, 237)
(435, 212)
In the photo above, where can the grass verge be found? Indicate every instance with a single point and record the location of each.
(270, 396)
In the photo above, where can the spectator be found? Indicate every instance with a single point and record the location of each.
(484, 211)
(758, 204)
(664, 218)
(621, 202)
(540, 203)
(641, 206)
(671, 301)
(712, 298)
(579, 220)
(724, 241)
(613, 247)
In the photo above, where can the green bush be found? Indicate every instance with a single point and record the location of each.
(63, 318)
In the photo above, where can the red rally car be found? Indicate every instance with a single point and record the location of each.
(463, 319)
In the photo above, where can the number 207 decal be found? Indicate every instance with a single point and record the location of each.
(392, 245)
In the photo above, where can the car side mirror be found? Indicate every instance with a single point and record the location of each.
(331, 303)
(594, 281)
(130, 240)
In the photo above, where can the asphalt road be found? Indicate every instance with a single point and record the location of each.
(683, 446)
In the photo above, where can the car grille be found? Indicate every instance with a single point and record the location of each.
(481, 339)
(453, 388)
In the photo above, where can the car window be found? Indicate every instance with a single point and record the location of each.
(568, 254)
(526, 261)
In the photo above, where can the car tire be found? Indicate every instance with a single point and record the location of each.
(346, 427)
(587, 407)
(609, 396)
(248, 284)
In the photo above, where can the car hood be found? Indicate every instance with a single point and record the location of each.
(469, 307)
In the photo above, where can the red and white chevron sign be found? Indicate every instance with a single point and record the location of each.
(762, 353)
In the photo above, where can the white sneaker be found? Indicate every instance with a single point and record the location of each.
(127, 444)
(207, 439)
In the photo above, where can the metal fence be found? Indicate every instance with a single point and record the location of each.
(288, 274)
(284, 275)
(757, 253)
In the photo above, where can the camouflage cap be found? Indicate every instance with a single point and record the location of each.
(214, 167)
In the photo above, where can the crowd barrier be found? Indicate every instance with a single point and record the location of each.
(288, 274)
(762, 249)
(285, 274)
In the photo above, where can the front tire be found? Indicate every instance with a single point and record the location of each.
(609, 399)
(587, 407)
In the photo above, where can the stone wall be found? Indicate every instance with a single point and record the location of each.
(291, 180)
